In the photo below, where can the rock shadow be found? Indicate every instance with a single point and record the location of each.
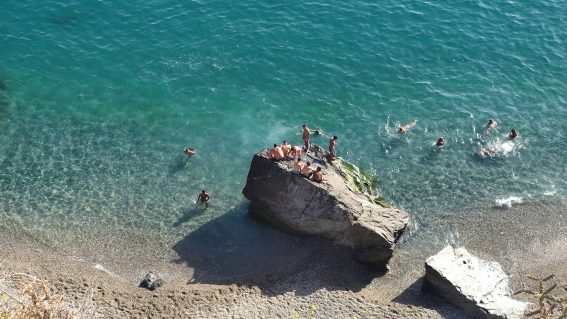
(418, 295)
(188, 214)
(238, 249)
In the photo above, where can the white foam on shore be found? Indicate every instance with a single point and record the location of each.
(101, 268)
(507, 202)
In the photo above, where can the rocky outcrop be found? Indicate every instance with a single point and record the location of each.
(343, 208)
(478, 287)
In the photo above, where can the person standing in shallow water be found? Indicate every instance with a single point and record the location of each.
(305, 137)
(203, 198)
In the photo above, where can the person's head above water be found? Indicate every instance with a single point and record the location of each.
(513, 133)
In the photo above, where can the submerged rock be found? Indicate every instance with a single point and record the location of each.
(151, 281)
(478, 287)
(344, 207)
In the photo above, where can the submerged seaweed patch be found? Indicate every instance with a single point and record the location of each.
(362, 181)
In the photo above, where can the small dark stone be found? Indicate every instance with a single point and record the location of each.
(151, 281)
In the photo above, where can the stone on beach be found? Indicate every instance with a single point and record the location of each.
(478, 287)
(151, 281)
(342, 208)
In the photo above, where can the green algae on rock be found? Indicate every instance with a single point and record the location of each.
(361, 181)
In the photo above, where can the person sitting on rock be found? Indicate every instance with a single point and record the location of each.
(277, 153)
(297, 165)
(286, 148)
(318, 175)
(306, 170)
(295, 152)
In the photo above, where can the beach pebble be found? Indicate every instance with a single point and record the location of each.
(151, 281)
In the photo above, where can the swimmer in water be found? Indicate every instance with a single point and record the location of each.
(203, 198)
(490, 125)
(513, 134)
(407, 127)
(440, 142)
(484, 152)
(189, 151)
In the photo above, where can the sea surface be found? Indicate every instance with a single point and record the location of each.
(99, 98)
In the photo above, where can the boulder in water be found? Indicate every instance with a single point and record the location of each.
(344, 208)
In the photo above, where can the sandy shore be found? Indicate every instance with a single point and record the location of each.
(307, 272)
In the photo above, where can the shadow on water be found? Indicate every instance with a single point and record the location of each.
(415, 295)
(189, 214)
(237, 249)
(180, 164)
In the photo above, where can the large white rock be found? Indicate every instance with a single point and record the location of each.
(478, 287)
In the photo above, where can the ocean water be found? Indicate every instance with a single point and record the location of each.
(99, 98)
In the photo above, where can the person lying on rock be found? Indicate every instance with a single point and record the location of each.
(286, 148)
(306, 170)
(318, 175)
(277, 153)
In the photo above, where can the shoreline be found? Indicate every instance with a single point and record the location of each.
(309, 272)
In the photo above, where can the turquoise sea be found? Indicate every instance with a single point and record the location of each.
(99, 98)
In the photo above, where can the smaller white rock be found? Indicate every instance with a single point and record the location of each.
(478, 287)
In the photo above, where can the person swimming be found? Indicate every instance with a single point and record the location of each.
(407, 127)
(484, 152)
(513, 134)
(440, 142)
(490, 125)
(189, 151)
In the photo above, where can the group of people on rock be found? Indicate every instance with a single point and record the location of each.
(285, 151)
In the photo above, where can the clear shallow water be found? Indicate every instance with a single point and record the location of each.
(101, 97)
